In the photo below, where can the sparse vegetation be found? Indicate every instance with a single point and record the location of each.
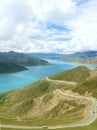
(89, 86)
(48, 97)
(17, 107)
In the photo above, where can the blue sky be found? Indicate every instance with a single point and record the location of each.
(57, 27)
(51, 26)
(79, 2)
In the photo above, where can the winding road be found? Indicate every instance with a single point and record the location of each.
(61, 81)
(92, 118)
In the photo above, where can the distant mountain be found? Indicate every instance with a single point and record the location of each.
(46, 55)
(21, 59)
(87, 54)
(88, 57)
(13, 62)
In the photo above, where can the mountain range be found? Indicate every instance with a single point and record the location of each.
(87, 57)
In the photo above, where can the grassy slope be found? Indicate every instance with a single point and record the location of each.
(25, 96)
(20, 102)
(93, 126)
(79, 74)
(33, 90)
(10, 67)
(89, 85)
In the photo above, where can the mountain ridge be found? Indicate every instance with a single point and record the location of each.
(85, 57)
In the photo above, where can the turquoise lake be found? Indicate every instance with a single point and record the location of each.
(35, 73)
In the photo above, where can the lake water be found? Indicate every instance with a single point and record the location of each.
(35, 73)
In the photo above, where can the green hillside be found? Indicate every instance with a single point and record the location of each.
(13, 62)
(89, 86)
(40, 103)
(42, 99)
(21, 59)
(10, 67)
(28, 93)
(79, 75)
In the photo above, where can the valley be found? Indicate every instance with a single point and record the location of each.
(58, 98)
(85, 57)
(48, 64)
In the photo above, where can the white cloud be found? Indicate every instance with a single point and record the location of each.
(12, 14)
(84, 27)
(50, 10)
(24, 25)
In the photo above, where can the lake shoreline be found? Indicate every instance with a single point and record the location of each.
(35, 73)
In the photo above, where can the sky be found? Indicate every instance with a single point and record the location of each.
(48, 26)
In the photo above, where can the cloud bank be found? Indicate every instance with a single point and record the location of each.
(58, 26)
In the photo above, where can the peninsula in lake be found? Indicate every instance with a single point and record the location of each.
(14, 62)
